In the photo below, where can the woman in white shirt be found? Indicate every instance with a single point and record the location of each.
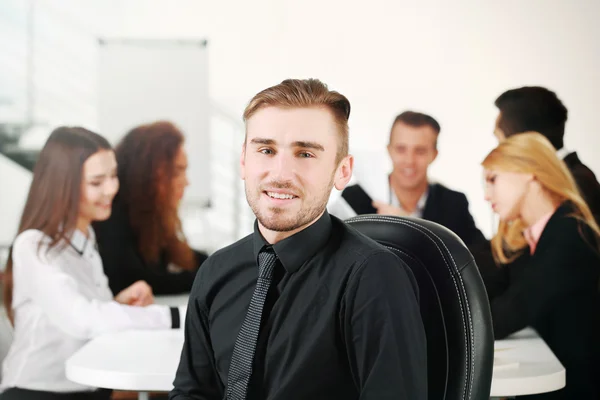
(56, 293)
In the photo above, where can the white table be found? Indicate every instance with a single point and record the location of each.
(142, 361)
(146, 361)
(173, 300)
(524, 364)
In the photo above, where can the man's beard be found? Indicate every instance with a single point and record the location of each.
(273, 219)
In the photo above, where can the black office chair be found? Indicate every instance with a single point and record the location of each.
(453, 300)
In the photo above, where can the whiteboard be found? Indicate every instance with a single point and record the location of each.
(141, 81)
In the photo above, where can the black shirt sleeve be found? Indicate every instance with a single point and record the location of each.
(196, 376)
(383, 331)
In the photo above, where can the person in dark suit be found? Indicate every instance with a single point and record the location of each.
(548, 249)
(534, 108)
(407, 190)
(143, 239)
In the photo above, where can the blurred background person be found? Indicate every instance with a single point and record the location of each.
(534, 108)
(56, 293)
(407, 190)
(143, 238)
(548, 246)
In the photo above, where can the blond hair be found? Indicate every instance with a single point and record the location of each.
(532, 153)
(305, 93)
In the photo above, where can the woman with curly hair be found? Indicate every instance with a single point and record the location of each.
(143, 238)
(55, 293)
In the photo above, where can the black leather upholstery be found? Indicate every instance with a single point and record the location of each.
(453, 300)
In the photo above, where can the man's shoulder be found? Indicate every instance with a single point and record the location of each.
(355, 244)
(227, 257)
(371, 259)
(441, 191)
(586, 181)
(242, 246)
(579, 170)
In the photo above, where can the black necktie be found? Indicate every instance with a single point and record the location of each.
(240, 368)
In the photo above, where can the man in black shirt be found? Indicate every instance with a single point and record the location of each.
(305, 307)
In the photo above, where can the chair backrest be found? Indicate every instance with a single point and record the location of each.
(453, 300)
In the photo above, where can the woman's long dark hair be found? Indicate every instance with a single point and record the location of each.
(146, 168)
(52, 204)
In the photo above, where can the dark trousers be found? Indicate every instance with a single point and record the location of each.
(25, 394)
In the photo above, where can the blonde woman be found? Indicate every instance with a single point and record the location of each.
(548, 245)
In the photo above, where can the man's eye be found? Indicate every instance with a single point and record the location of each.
(304, 154)
(266, 151)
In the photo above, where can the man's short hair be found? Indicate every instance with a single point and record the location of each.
(532, 108)
(417, 120)
(306, 93)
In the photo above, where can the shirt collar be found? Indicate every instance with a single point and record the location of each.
(422, 201)
(533, 233)
(563, 152)
(298, 248)
(418, 212)
(81, 243)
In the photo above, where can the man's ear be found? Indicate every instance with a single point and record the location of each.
(435, 154)
(243, 162)
(343, 172)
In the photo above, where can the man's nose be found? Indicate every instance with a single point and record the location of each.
(409, 158)
(285, 167)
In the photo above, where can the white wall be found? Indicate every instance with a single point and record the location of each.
(14, 185)
(449, 59)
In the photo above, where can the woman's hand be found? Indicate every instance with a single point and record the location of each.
(138, 294)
